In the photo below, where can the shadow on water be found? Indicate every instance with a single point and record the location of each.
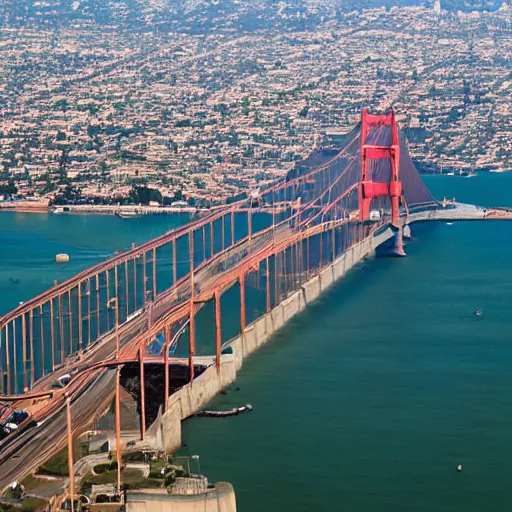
(154, 379)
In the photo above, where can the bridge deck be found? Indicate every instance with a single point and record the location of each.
(307, 222)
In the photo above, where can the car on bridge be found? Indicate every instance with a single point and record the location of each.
(12, 423)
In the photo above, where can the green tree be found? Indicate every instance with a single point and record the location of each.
(143, 195)
(61, 104)
(8, 189)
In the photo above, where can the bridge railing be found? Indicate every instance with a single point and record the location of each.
(43, 333)
(249, 290)
(39, 336)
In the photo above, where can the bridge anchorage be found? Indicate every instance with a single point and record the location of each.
(183, 311)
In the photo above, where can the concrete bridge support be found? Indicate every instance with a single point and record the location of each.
(166, 431)
(399, 243)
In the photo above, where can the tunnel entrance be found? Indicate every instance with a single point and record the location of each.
(154, 379)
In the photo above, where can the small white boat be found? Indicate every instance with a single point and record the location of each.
(127, 214)
(58, 210)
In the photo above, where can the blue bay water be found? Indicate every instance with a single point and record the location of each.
(30, 241)
(370, 398)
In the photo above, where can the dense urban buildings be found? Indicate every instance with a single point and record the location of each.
(93, 107)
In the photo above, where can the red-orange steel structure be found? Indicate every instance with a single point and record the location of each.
(271, 242)
(369, 188)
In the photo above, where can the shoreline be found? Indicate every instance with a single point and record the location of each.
(130, 211)
(135, 211)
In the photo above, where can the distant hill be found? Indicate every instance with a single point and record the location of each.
(200, 15)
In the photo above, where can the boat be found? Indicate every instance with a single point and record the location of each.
(57, 210)
(224, 414)
(466, 174)
(127, 214)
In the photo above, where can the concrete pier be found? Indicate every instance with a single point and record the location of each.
(219, 499)
(165, 433)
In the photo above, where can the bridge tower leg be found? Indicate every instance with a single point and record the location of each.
(71, 464)
(166, 368)
(370, 189)
(218, 330)
(192, 341)
(399, 242)
(142, 394)
(118, 428)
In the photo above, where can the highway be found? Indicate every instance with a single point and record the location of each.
(91, 392)
(32, 447)
(23, 452)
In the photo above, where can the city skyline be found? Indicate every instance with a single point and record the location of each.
(214, 115)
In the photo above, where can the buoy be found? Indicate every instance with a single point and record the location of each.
(459, 468)
(62, 258)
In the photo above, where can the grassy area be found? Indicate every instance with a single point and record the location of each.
(155, 468)
(148, 483)
(27, 505)
(31, 483)
(58, 466)
(130, 477)
(105, 468)
(134, 457)
(8, 508)
(13, 494)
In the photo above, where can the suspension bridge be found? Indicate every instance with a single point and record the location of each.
(195, 296)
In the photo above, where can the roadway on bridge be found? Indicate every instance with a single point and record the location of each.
(32, 447)
(24, 451)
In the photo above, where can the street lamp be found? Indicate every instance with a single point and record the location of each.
(113, 302)
(70, 452)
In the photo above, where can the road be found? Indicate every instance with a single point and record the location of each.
(35, 445)
(22, 452)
